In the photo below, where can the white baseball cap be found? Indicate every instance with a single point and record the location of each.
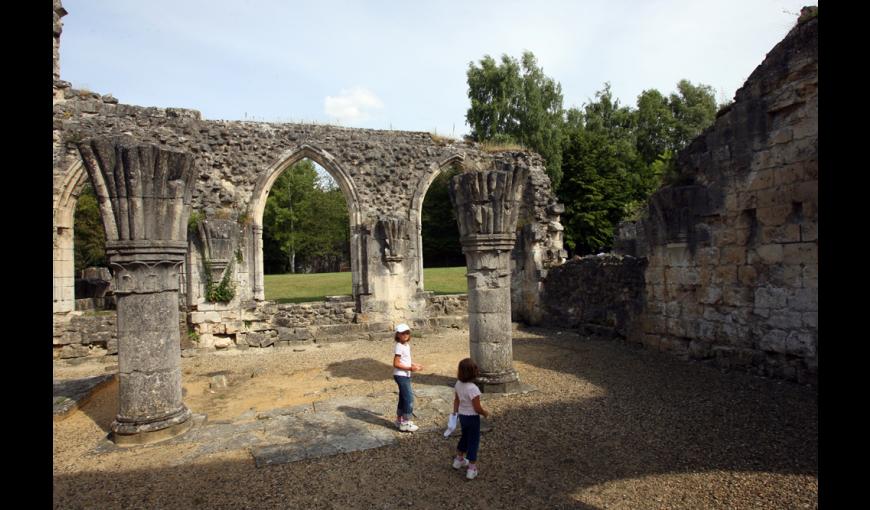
(401, 328)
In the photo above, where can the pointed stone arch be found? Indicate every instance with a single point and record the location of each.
(417, 205)
(351, 198)
(63, 271)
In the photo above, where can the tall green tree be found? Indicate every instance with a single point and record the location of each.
(514, 101)
(604, 174)
(89, 239)
(655, 125)
(694, 108)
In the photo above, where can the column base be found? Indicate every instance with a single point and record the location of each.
(499, 383)
(132, 434)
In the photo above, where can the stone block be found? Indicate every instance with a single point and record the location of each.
(807, 191)
(257, 326)
(724, 275)
(789, 174)
(786, 233)
(232, 327)
(770, 297)
(773, 216)
(804, 300)
(74, 351)
(747, 275)
(206, 341)
(707, 256)
(773, 341)
(784, 319)
(785, 276)
(222, 342)
(710, 295)
(204, 317)
(809, 232)
(735, 295)
(800, 343)
(708, 331)
(801, 253)
(733, 255)
(766, 254)
(780, 136)
(810, 276)
(773, 197)
(760, 179)
(810, 319)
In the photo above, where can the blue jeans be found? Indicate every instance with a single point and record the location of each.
(470, 440)
(406, 397)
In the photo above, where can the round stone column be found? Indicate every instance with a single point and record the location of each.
(150, 407)
(487, 204)
(144, 194)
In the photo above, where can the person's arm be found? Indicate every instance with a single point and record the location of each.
(397, 363)
(479, 408)
(455, 402)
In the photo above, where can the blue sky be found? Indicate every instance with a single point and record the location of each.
(401, 64)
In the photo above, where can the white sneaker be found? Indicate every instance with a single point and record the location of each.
(408, 426)
(471, 474)
(457, 463)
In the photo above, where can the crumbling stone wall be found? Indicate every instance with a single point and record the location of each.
(732, 247)
(383, 175)
(258, 325)
(602, 296)
(380, 173)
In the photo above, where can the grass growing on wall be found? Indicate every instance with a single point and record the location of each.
(299, 288)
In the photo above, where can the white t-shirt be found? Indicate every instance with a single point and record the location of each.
(403, 350)
(466, 391)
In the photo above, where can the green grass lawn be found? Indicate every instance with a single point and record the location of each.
(298, 288)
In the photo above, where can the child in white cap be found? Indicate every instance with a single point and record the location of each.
(402, 368)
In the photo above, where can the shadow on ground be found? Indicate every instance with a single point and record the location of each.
(368, 369)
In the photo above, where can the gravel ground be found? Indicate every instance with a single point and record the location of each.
(610, 426)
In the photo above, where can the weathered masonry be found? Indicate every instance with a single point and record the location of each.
(723, 266)
(383, 175)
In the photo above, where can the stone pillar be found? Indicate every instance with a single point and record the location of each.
(144, 194)
(487, 204)
(257, 287)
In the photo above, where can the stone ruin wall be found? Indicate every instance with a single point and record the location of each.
(601, 296)
(731, 250)
(384, 176)
(263, 325)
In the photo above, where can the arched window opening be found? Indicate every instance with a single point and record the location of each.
(92, 276)
(443, 260)
(306, 236)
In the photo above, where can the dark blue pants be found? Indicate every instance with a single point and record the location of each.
(470, 440)
(406, 397)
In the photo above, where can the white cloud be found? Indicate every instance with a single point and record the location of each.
(352, 105)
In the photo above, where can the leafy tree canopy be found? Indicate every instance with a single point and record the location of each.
(515, 102)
